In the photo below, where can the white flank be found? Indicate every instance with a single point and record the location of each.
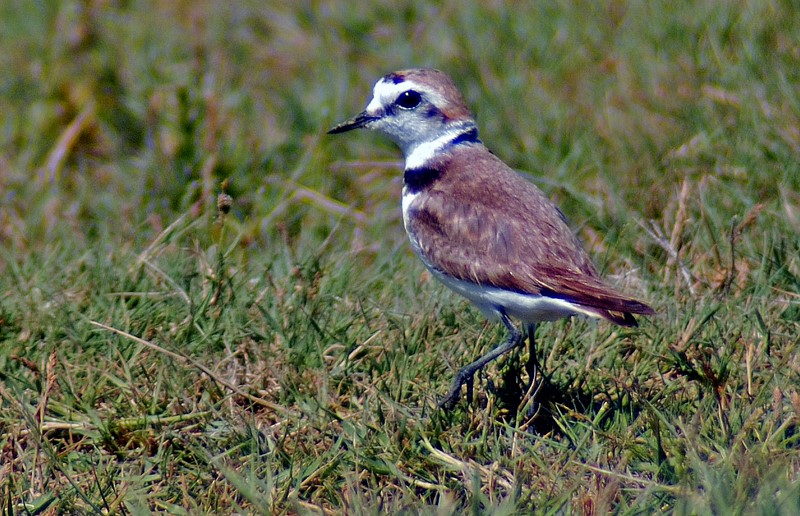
(525, 307)
(407, 200)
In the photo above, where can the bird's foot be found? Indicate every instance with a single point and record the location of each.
(463, 377)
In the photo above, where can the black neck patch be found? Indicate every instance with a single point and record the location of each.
(470, 136)
(417, 179)
(420, 178)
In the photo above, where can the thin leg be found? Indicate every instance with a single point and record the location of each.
(532, 365)
(534, 374)
(466, 373)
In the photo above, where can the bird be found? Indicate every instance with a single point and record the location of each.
(480, 227)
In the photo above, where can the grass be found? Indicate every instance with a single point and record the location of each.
(159, 354)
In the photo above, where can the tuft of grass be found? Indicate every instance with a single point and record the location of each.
(208, 306)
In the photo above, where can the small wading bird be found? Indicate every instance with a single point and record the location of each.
(478, 226)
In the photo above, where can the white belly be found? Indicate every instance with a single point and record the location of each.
(525, 307)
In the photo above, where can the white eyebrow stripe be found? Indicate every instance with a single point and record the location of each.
(383, 94)
(386, 92)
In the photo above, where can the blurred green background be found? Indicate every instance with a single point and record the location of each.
(159, 355)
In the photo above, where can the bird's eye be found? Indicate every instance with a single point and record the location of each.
(409, 99)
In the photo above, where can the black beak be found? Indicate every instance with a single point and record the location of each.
(360, 120)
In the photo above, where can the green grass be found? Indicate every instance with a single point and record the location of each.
(159, 355)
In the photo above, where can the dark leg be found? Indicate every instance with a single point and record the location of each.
(534, 374)
(532, 365)
(465, 374)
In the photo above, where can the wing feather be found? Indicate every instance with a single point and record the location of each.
(516, 240)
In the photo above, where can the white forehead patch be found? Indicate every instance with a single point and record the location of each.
(386, 92)
(383, 94)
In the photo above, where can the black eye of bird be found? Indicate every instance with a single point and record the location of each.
(409, 99)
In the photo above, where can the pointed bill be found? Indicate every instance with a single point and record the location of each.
(357, 122)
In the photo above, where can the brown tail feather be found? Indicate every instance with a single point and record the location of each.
(607, 305)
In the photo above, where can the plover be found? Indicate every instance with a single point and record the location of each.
(477, 225)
